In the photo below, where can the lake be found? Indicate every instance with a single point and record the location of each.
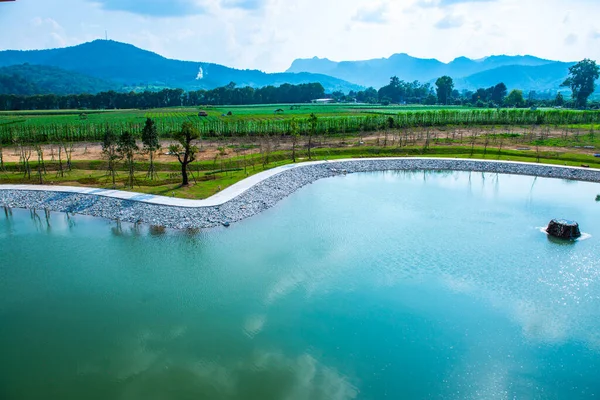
(399, 285)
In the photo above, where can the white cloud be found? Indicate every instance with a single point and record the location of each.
(372, 14)
(154, 8)
(571, 39)
(149, 363)
(450, 21)
(270, 34)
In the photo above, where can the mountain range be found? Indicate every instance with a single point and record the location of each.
(109, 65)
(523, 72)
(127, 67)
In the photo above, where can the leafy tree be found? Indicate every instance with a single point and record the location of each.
(430, 100)
(531, 97)
(560, 100)
(499, 93)
(445, 86)
(338, 95)
(127, 147)
(582, 81)
(229, 94)
(368, 95)
(480, 95)
(185, 151)
(151, 144)
(109, 151)
(398, 91)
(515, 99)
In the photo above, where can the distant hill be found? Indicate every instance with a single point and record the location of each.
(108, 65)
(136, 68)
(27, 79)
(540, 78)
(486, 72)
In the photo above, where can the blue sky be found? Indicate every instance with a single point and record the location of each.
(270, 34)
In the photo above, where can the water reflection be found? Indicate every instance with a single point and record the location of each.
(363, 286)
(560, 242)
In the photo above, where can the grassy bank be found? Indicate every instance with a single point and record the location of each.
(208, 177)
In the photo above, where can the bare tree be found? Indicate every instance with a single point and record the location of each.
(486, 143)
(500, 145)
(127, 147)
(294, 133)
(61, 171)
(40, 156)
(473, 139)
(2, 167)
(313, 120)
(266, 150)
(68, 148)
(25, 155)
(109, 150)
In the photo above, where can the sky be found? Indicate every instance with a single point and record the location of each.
(269, 34)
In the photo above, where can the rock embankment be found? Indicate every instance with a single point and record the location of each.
(264, 194)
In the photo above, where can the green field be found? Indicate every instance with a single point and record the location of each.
(29, 127)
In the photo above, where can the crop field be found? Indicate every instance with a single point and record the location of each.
(227, 121)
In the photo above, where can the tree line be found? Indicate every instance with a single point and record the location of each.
(581, 81)
(226, 95)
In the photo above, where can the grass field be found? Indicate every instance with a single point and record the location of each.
(74, 125)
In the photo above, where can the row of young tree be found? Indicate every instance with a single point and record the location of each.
(117, 148)
(229, 95)
(123, 147)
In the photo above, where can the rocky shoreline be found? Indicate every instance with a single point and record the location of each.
(264, 194)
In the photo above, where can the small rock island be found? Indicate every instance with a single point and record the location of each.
(563, 229)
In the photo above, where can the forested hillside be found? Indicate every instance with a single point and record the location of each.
(139, 69)
(26, 79)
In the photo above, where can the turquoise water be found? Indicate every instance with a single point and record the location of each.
(369, 286)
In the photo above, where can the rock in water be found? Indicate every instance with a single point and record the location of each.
(561, 228)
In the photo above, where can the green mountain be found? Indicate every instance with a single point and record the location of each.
(539, 78)
(138, 69)
(377, 72)
(27, 79)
